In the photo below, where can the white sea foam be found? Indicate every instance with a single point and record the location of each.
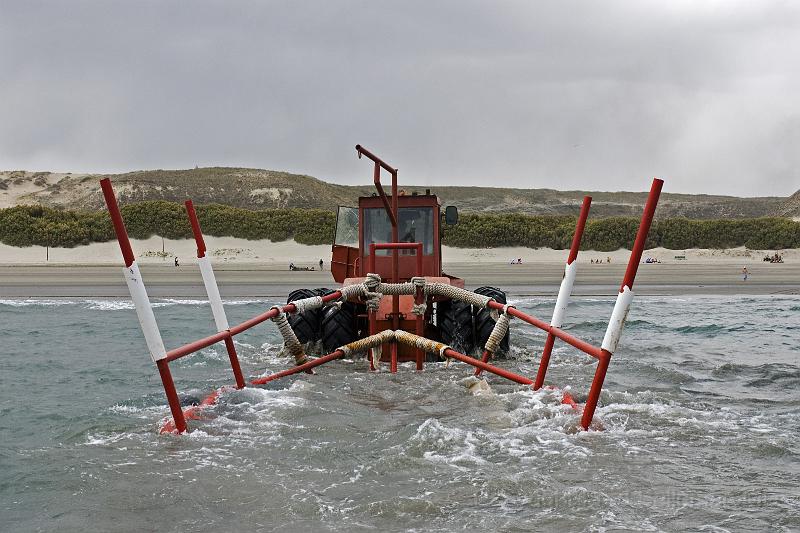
(43, 302)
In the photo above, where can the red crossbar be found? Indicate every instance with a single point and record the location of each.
(299, 368)
(487, 367)
(583, 346)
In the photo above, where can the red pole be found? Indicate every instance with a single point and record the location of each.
(489, 368)
(116, 219)
(237, 370)
(129, 259)
(395, 269)
(198, 234)
(579, 227)
(583, 346)
(545, 361)
(419, 299)
(373, 313)
(213, 293)
(641, 235)
(573, 255)
(172, 395)
(379, 163)
(395, 246)
(627, 281)
(594, 391)
(484, 359)
(288, 308)
(299, 368)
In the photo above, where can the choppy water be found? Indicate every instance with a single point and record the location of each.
(701, 411)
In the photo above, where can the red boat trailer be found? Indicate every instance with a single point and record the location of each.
(225, 333)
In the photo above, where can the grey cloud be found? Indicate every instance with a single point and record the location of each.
(590, 95)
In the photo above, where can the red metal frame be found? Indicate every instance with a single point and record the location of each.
(603, 356)
(170, 391)
(418, 299)
(393, 217)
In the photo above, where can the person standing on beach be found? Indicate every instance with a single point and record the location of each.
(744, 273)
(176, 261)
(320, 264)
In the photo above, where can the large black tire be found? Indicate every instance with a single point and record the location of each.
(454, 319)
(306, 325)
(338, 326)
(484, 323)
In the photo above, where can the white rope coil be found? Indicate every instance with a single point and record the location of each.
(304, 304)
(498, 331)
(373, 300)
(426, 345)
(373, 341)
(290, 340)
(352, 291)
(396, 288)
(372, 281)
(419, 309)
(373, 289)
(367, 342)
(456, 293)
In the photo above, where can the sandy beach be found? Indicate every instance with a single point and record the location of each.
(260, 269)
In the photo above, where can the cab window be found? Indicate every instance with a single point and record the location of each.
(415, 224)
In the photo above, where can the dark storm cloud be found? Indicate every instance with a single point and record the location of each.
(591, 95)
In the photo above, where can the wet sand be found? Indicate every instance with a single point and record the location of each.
(267, 280)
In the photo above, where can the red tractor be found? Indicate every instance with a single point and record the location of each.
(397, 237)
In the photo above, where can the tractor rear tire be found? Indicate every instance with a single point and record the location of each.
(484, 323)
(338, 326)
(306, 325)
(454, 319)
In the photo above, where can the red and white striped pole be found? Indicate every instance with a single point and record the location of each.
(622, 306)
(564, 292)
(144, 311)
(212, 290)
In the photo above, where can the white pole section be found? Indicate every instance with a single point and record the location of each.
(564, 293)
(212, 289)
(133, 277)
(617, 321)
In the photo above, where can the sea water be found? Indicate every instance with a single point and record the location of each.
(700, 418)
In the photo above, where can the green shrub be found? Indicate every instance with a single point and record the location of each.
(44, 226)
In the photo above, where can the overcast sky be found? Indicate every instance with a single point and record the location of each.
(568, 95)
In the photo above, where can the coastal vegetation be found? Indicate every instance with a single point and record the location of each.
(46, 226)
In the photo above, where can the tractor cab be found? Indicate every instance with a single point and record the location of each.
(418, 221)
